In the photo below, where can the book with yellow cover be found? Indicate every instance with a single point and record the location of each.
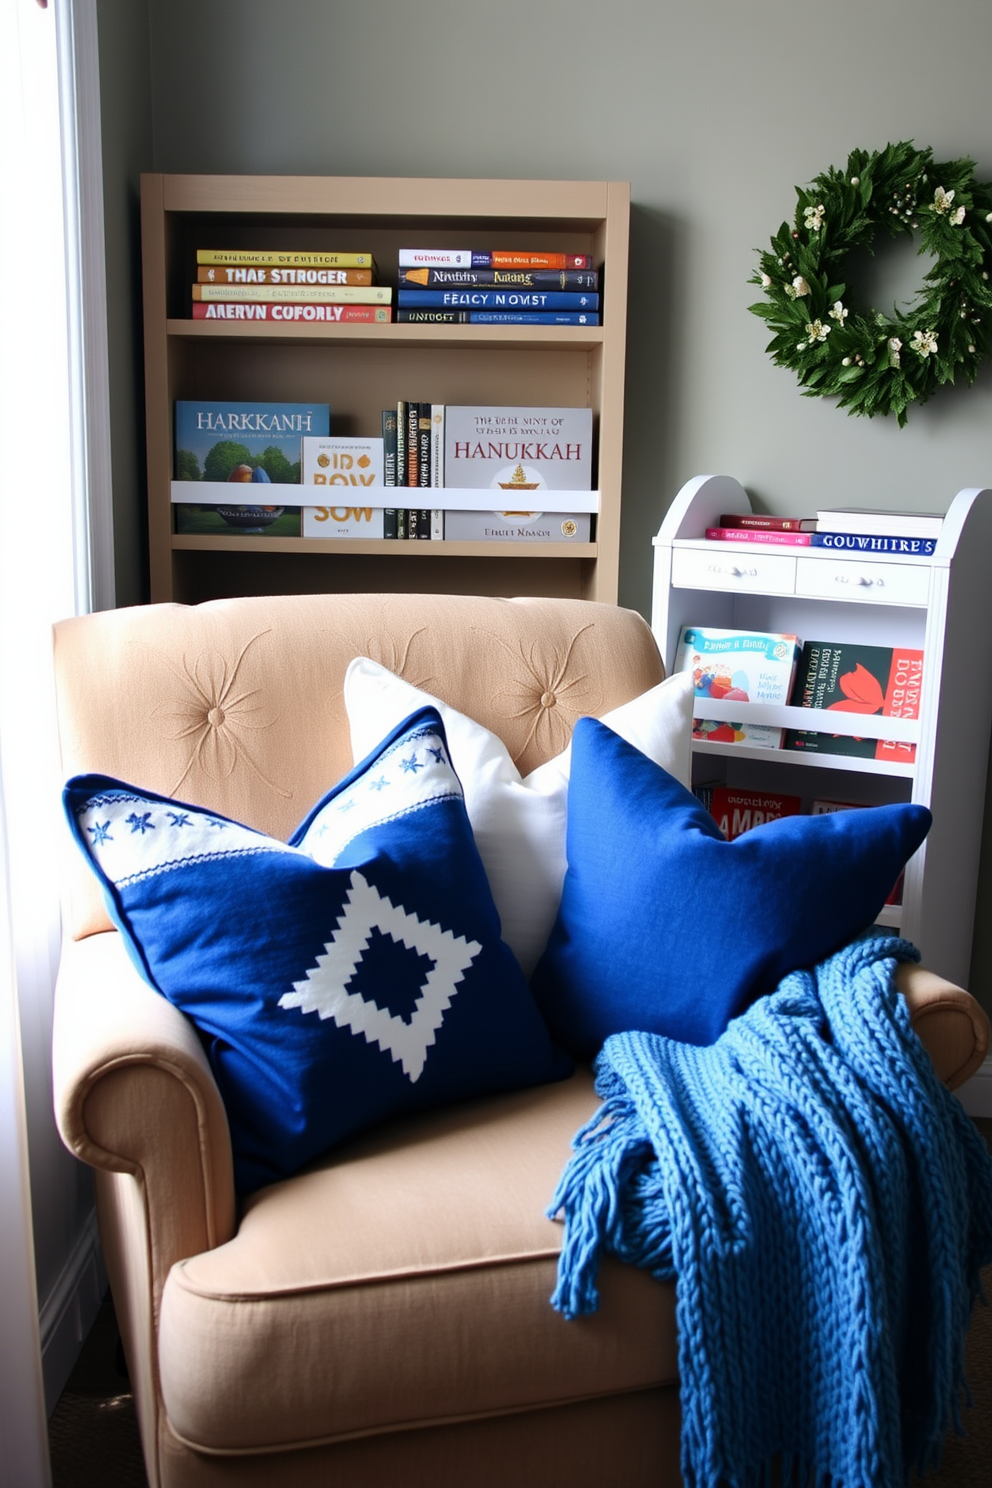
(301, 256)
(279, 274)
(325, 294)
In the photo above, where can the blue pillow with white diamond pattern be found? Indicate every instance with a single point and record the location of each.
(355, 973)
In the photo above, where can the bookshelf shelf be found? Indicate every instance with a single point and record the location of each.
(941, 604)
(359, 369)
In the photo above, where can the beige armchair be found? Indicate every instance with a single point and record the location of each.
(381, 1318)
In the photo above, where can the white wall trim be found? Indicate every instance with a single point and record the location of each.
(69, 1311)
(976, 1094)
(89, 361)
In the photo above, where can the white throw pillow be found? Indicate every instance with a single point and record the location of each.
(519, 822)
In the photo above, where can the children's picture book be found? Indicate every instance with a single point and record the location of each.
(249, 447)
(349, 466)
(844, 677)
(518, 451)
(737, 666)
(223, 441)
(344, 521)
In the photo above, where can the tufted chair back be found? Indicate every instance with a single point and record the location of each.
(237, 705)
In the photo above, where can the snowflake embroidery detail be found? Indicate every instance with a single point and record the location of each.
(181, 819)
(378, 785)
(101, 833)
(140, 823)
(412, 765)
(437, 753)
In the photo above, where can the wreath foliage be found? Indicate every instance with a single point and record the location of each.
(871, 362)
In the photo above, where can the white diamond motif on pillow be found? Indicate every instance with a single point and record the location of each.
(324, 990)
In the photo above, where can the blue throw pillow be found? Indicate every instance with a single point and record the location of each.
(667, 927)
(351, 974)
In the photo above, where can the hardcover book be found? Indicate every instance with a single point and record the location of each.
(518, 526)
(518, 452)
(849, 678)
(327, 294)
(499, 278)
(503, 258)
(498, 317)
(240, 521)
(245, 442)
(267, 256)
(882, 523)
(343, 463)
(492, 299)
(325, 314)
(343, 521)
(737, 811)
(760, 521)
(253, 274)
(737, 666)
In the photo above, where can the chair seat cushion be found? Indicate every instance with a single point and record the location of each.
(404, 1281)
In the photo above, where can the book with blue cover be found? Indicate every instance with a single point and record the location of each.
(249, 447)
(496, 299)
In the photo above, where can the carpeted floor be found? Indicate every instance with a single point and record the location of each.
(93, 1433)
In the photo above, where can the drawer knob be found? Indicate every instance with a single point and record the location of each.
(863, 580)
(733, 570)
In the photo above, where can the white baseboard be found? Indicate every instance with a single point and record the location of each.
(976, 1094)
(69, 1311)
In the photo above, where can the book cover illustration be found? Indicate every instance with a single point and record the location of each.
(346, 463)
(249, 446)
(241, 521)
(517, 453)
(849, 678)
(737, 666)
(738, 811)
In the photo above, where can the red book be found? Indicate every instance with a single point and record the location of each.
(765, 535)
(736, 811)
(291, 312)
(769, 524)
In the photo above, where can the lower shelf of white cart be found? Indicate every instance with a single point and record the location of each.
(807, 761)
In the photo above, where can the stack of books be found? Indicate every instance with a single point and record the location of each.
(413, 459)
(295, 286)
(845, 529)
(497, 287)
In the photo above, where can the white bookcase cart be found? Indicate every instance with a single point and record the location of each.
(941, 603)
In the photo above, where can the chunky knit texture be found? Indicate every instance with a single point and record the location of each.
(825, 1207)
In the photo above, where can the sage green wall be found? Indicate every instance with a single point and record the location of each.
(712, 109)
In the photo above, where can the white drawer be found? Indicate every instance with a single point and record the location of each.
(864, 583)
(731, 568)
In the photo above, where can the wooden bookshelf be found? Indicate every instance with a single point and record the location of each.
(360, 369)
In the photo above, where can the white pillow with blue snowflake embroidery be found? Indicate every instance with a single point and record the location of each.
(351, 974)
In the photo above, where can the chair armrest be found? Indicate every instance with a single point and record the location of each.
(134, 1094)
(952, 1026)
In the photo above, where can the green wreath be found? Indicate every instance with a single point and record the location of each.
(875, 363)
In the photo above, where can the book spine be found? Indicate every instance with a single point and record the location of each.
(434, 317)
(279, 274)
(318, 314)
(533, 317)
(467, 258)
(401, 428)
(493, 299)
(389, 517)
(499, 278)
(862, 542)
(412, 445)
(298, 294)
(279, 258)
(747, 535)
(768, 524)
(437, 445)
(424, 447)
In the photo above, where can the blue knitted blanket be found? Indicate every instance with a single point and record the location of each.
(825, 1206)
